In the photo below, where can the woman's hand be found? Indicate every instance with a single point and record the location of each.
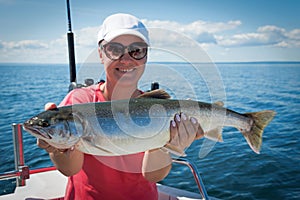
(183, 131)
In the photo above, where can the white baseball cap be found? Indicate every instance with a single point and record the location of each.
(122, 24)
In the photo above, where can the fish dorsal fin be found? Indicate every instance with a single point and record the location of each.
(219, 103)
(156, 94)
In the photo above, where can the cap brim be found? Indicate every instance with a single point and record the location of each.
(113, 34)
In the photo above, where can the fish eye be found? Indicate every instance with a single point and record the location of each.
(43, 123)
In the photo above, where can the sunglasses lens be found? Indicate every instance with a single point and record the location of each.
(114, 50)
(138, 50)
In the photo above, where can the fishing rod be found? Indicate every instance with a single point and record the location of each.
(70, 36)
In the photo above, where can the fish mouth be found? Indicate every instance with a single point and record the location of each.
(35, 131)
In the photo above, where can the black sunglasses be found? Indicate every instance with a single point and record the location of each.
(115, 51)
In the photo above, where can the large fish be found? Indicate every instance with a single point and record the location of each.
(130, 126)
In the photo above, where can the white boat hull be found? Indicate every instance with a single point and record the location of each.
(52, 184)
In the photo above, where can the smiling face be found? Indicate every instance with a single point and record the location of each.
(125, 71)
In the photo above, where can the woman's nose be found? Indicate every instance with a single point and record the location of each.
(126, 58)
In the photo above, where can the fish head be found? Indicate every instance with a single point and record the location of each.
(57, 128)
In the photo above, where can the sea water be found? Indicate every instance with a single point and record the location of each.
(230, 170)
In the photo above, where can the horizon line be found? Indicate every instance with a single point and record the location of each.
(150, 62)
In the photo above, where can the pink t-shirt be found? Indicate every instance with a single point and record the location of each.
(103, 177)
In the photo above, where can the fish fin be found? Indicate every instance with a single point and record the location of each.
(219, 103)
(260, 121)
(214, 134)
(156, 94)
(173, 150)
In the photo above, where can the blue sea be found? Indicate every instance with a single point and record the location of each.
(230, 170)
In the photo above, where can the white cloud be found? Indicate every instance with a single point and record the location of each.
(196, 27)
(170, 34)
(246, 39)
(201, 31)
(33, 51)
(294, 34)
(282, 44)
(209, 33)
(1, 45)
(264, 36)
(25, 44)
(87, 37)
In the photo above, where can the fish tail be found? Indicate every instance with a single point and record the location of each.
(260, 121)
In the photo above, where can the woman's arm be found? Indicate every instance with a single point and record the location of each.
(68, 161)
(157, 164)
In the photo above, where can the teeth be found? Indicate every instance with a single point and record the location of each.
(125, 70)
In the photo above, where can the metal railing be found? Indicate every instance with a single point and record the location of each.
(22, 172)
(196, 175)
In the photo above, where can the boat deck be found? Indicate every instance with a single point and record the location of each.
(51, 185)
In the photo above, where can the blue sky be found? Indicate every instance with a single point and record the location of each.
(227, 30)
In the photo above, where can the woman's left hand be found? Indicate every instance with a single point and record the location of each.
(183, 131)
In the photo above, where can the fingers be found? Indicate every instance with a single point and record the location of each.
(197, 128)
(44, 145)
(50, 106)
(184, 130)
(183, 134)
(50, 149)
(173, 130)
(189, 128)
(176, 127)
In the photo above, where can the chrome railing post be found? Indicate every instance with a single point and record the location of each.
(19, 154)
(196, 175)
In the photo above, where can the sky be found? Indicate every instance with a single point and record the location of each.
(34, 31)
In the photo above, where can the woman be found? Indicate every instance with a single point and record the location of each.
(123, 43)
